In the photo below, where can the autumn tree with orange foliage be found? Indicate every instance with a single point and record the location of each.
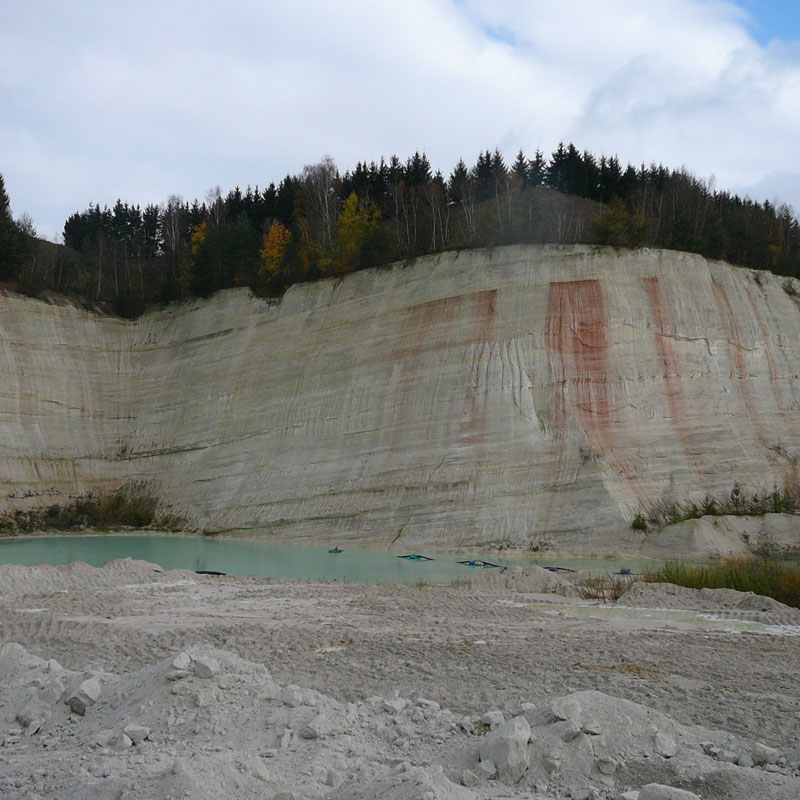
(273, 255)
(191, 259)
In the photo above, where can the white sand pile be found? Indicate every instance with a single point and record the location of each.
(530, 579)
(18, 581)
(728, 601)
(208, 724)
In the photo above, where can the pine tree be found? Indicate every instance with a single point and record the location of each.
(482, 175)
(557, 169)
(5, 203)
(13, 242)
(520, 169)
(537, 169)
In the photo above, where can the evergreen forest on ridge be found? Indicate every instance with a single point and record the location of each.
(322, 223)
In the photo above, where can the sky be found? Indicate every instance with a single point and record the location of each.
(103, 99)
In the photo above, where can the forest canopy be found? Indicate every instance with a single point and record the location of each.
(322, 222)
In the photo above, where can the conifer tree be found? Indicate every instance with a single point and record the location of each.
(556, 174)
(5, 203)
(13, 242)
(537, 169)
(520, 169)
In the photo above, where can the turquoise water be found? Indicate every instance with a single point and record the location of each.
(268, 560)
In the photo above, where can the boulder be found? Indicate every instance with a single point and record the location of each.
(568, 707)
(664, 744)
(507, 747)
(87, 694)
(395, 706)
(487, 770)
(136, 733)
(295, 696)
(566, 729)
(321, 725)
(606, 765)
(764, 755)
(469, 778)
(206, 667)
(256, 767)
(493, 719)
(182, 661)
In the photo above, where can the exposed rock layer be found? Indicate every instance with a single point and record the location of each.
(526, 394)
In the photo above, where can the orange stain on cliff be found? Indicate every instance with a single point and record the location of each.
(429, 329)
(473, 426)
(426, 331)
(577, 343)
(576, 332)
(673, 383)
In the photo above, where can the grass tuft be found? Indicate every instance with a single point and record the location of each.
(607, 588)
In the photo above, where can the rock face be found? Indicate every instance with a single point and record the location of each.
(525, 394)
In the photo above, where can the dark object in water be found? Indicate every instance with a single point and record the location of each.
(416, 557)
(336, 549)
(624, 570)
(478, 563)
(208, 572)
(560, 569)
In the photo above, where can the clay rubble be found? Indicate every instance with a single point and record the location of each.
(298, 721)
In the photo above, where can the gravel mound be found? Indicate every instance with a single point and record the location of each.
(668, 595)
(526, 580)
(205, 723)
(18, 581)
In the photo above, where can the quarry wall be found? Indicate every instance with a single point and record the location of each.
(524, 394)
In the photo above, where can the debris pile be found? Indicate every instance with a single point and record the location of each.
(206, 723)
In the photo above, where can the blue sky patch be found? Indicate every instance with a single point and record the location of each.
(772, 19)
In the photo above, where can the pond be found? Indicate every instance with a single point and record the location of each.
(263, 559)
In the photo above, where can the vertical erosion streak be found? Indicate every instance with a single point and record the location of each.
(577, 344)
(673, 383)
(471, 444)
(440, 384)
(737, 360)
(418, 356)
(473, 425)
(773, 371)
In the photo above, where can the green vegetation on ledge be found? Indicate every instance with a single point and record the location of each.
(737, 504)
(124, 508)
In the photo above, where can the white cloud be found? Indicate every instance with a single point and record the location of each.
(109, 99)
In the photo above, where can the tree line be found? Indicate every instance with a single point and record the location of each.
(322, 222)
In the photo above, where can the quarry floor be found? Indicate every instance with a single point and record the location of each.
(471, 647)
(490, 644)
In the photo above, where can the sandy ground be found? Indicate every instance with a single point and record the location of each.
(720, 660)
